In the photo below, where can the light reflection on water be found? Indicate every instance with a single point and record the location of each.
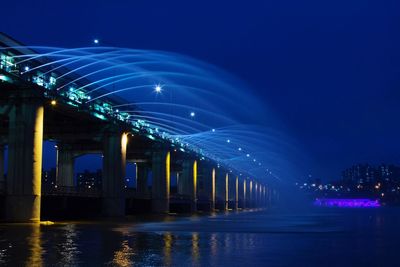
(123, 257)
(34, 241)
(69, 249)
(168, 242)
(356, 238)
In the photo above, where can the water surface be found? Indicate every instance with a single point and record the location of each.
(318, 237)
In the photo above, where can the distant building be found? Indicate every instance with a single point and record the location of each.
(388, 173)
(89, 180)
(359, 174)
(366, 174)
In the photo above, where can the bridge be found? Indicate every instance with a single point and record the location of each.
(83, 120)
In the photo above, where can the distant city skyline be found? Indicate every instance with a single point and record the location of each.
(358, 181)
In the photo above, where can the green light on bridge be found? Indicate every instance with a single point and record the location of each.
(151, 137)
(100, 116)
(5, 78)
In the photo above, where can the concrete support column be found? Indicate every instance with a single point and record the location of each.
(264, 196)
(25, 143)
(208, 176)
(236, 193)
(256, 194)
(226, 191)
(251, 198)
(2, 180)
(161, 181)
(270, 197)
(65, 166)
(179, 183)
(189, 181)
(213, 189)
(141, 178)
(223, 187)
(245, 195)
(114, 168)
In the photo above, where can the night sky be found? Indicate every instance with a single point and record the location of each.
(329, 70)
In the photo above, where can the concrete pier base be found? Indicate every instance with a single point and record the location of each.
(161, 181)
(188, 182)
(114, 167)
(25, 143)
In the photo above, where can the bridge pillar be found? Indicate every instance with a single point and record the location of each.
(213, 189)
(114, 168)
(179, 183)
(2, 180)
(25, 143)
(227, 191)
(264, 196)
(223, 181)
(236, 193)
(161, 161)
(256, 195)
(269, 197)
(270, 192)
(189, 181)
(221, 188)
(209, 179)
(244, 194)
(65, 166)
(251, 197)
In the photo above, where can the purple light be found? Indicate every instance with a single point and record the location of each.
(347, 203)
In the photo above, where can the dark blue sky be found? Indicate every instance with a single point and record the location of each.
(330, 70)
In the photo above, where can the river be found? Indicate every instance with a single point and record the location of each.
(316, 237)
